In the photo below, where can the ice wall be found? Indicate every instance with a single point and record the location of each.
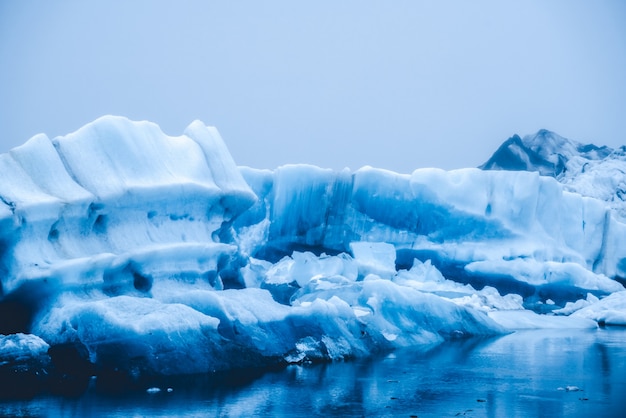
(482, 227)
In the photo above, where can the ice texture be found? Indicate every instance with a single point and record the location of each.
(142, 254)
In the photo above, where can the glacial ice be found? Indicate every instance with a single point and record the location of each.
(500, 219)
(148, 255)
(586, 169)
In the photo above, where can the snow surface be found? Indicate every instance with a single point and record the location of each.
(156, 255)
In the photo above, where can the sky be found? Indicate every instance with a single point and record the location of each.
(397, 85)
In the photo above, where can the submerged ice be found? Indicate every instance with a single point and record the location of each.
(154, 255)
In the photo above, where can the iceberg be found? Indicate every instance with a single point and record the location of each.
(129, 254)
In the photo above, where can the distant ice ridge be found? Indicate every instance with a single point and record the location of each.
(143, 254)
(587, 169)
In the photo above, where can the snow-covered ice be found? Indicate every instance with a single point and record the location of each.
(157, 255)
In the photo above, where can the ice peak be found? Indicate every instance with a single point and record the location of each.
(545, 152)
(587, 169)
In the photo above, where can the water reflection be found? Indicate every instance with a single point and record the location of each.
(517, 375)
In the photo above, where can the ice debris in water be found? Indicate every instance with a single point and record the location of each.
(570, 388)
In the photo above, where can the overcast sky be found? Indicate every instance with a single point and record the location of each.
(392, 84)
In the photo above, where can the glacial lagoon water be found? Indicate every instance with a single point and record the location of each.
(539, 373)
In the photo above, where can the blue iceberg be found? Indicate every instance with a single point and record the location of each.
(135, 254)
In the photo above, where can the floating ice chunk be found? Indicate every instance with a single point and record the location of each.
(609, 311)
(255, 272)
(418, 317)
(427, 278)
(25, 366)
(301, 267)
(571, 307)
(374, 258)
(123, 331)
(426, 271)
(524, 319)
(559, 281)
(538, 273)
(396, 315)
(489, 299)
(570, 388)
(19, 348)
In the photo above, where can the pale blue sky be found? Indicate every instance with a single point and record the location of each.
(392, 84)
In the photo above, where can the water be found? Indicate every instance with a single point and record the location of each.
(519, 375)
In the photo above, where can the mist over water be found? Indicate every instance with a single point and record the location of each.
(555, 373)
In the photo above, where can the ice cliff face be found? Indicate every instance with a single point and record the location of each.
(142, 254)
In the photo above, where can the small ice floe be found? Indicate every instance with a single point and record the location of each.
(157, 390)
(570, 389)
